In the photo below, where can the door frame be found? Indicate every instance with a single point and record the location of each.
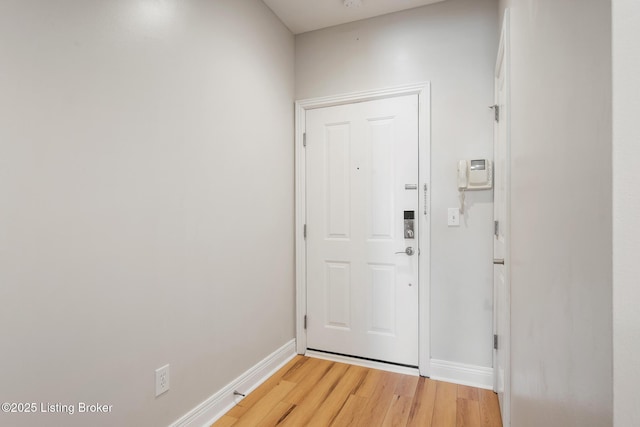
(424, 200)
(504, 56)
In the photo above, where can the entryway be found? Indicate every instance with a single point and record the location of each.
(363, 228)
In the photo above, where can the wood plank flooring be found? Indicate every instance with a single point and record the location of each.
(320, 393)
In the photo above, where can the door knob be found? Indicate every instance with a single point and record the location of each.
(408, 251)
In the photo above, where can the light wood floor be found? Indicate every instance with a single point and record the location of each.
(315, 392)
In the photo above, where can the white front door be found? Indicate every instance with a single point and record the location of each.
(362, 182)
(501, 238)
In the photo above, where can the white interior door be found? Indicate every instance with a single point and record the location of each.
(362, 180)
(502, 305)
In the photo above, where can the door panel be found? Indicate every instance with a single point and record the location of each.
(382, 293)
(338, 294)
(381, 177)
(362, 296)
(337, 174)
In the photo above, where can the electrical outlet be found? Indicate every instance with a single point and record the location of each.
(162, 380)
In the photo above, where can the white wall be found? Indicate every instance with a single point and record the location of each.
(453, 45)
(626, 205)
(146, 201)
(561, 213)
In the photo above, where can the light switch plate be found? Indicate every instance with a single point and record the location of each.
(453, 217)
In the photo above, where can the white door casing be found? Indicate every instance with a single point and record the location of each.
(362, 287)
(421, 195)
(502, 293)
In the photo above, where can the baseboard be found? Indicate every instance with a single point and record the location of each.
(218, 404)
(362, 362)
(460, 373)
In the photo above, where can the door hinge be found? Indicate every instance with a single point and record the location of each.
(495, 338)
(496, 112)
(305, 322)
(304, 231)
(304, 139)
(496, 228)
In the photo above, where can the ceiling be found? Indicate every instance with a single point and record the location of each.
(301, 16)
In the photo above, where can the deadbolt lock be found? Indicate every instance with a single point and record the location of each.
(409, 222)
